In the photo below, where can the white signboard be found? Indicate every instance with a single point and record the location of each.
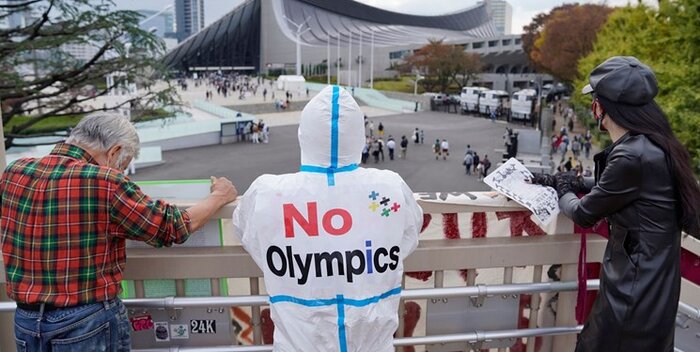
(510, 180)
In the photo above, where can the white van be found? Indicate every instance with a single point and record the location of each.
(522, 105)
(470, 98)
(494, 100)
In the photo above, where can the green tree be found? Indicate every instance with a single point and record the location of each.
(443, 64)
(40, 79)
(668, 40)
(556, 41)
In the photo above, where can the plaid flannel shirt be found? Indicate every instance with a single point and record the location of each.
(64, 222)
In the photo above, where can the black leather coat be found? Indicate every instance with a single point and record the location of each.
(640, 279)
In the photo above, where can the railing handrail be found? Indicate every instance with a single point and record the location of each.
(416, 293)
(431, 255)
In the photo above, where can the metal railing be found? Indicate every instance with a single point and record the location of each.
(437, 256)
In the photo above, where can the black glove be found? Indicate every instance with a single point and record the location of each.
(562, 182)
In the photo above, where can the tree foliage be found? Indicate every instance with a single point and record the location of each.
(668, 40)
(556, 41)
(40, 79)
(442, 65)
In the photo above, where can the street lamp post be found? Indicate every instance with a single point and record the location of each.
(350, 59)
(359, 71)
(299, 32)
(328, 60)
(337, 73)
(371, 64)
(415, 83)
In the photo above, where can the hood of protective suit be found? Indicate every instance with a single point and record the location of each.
(331, 130)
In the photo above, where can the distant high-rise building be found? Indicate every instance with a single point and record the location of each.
(189, 17)
(13, 19)
(501, 14)
(162, 24)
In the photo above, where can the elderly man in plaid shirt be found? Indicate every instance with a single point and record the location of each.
(64, 221)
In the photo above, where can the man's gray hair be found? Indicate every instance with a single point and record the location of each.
(103, 130)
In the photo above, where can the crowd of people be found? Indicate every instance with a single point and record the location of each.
(255, 132)
(475, 165)
(577, 144)
(229, 84)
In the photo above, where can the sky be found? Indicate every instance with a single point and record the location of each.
(523, 10)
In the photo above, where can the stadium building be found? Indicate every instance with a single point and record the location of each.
(359, 41)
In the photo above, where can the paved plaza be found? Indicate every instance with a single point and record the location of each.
(243, 162)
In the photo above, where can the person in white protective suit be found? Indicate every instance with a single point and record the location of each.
(331, 239)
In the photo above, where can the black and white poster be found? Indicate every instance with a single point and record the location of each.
(510, 180)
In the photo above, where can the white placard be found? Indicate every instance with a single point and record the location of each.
(510, 180)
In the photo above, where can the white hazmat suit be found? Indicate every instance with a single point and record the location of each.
(331, 239)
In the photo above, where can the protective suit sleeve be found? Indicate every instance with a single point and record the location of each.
(243, 219)
(618, 186)
(414, 221)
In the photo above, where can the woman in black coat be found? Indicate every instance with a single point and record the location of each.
(645, 188)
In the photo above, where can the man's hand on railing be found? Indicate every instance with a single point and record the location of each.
(222, 193)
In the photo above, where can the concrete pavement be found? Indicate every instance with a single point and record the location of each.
(243, 162)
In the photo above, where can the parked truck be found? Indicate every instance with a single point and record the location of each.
(497, 101)
(522, 105)
(470, 98)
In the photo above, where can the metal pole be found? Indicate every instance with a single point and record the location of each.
(298, 65)
(412, 294)
(371, 64)
(328, 60)
(350, 59)
(359, 71)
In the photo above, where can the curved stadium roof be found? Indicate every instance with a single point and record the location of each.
(345, 18)
(234, 40)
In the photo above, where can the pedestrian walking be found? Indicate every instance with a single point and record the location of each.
(487, 164)
(391, 145)
(436, 149)
(422, 136)
(576, 147)
(468, 162)
(371, 128)
(416, 136)
(404, 146)
(468, 150)
(445, 147)
(365, 153)
(381, 148)
(256, 133)
(587, 149)
(265, 133)
(380, 129)
(476, 162)
(480, 170)
(375, 151)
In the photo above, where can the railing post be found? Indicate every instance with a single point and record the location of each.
(402, 312)
(534, 307)
(566, 311)
(255, 319)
